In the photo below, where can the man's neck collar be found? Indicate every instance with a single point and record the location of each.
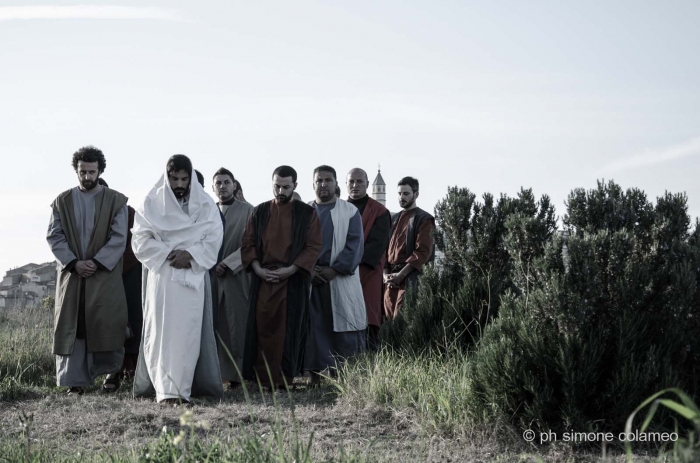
(228, 202)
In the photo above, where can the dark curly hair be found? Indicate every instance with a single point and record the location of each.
(410, 181)
(90, 154)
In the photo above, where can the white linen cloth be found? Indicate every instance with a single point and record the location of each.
(175, 298)
(349, 313)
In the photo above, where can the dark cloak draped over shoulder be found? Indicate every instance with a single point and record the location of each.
(105, 301)
(298, 293)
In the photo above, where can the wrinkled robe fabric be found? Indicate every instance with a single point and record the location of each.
(278, 235)
(207, 378)
(233, 291)
(82, 231)
(411, 244)
(175, 299)
(376, 223)
(338, 314)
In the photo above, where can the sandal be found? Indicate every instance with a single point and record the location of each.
(111, 382)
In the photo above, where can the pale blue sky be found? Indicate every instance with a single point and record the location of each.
(490, 95)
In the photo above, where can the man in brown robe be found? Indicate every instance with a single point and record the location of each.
(281, 243)
(411, 246)
(87, 235)
(376, 223)
(232, 284)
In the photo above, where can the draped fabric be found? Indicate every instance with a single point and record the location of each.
(411, 244)
(278, 235)
(232, 295)
(376, 223)
(175, 299)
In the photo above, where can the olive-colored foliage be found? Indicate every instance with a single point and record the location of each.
(453, 305)
(589, 337)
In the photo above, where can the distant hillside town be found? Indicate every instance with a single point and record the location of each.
(27, 285)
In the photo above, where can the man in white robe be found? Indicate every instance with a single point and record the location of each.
(177, 235)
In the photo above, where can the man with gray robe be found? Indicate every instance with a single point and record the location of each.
(87, 234)
(337, 309)
(232, 284)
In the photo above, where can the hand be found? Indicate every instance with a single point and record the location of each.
(180, 259)
(284, 272)
(328, 274)
(394, 280)
(85, 268)
(267, 275)
(317, 279)
(221, 269)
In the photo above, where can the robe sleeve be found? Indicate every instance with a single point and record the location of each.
(108, 256)
(306, 260)
(424, 245)
(206, 251)
(349, 258)
(58, 242)
(148, 248)
(377, 241)
(248, 251)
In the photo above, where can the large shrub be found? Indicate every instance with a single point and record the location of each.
(597, 322)
(455, 303)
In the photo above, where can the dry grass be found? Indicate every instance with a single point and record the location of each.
(340, 425)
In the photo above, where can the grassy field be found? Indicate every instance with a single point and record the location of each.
(386, 407)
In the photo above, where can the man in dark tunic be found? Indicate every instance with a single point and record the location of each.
(87, 235)
(232, 284)
(131, 276)
(410, 247)
(376, 223)
(338, 314)
(280, 245)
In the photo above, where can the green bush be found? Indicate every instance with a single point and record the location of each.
(454, 304)
(581, 344)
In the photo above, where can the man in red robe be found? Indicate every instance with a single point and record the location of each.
(376, 223)
(411, 246)
(281, 243)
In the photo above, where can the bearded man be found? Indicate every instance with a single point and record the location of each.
(411, 247)
(376, 223)
(177, 235)
(338, 314)
(280, 245)
(232, 284)
(87, 235)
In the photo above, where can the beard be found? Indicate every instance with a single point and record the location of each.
(282, 199)
(179, 192)
(88, 184)
(406, 204)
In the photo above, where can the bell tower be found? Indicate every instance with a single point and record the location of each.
(379, 188)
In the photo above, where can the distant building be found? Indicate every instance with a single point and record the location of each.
(379, 189)
(28, 285)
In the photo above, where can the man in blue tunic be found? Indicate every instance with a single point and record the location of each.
(338, 315)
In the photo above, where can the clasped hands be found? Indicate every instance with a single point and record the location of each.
(274, 276)
(180, 259)
(85, 268)
(393, 280)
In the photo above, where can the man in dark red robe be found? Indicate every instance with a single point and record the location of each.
(376, 223)
(411, 246)
(281, 243)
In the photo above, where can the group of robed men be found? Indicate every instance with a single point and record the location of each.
(187, 294)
